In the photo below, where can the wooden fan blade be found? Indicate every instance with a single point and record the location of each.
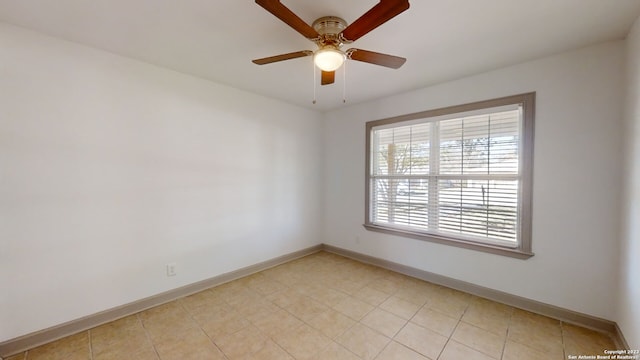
(328, 77)
(376, 58)
(283, 13)
(272, 59)
(384, 11)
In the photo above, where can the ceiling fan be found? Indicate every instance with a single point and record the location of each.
(331, 32)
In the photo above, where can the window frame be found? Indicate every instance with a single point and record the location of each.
(524, 248)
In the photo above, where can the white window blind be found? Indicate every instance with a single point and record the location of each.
(455, 176)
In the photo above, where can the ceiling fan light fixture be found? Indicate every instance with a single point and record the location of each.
(329, 58)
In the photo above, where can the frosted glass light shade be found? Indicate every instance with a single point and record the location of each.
(328, 59)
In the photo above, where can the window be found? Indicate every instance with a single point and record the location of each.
(460, 175)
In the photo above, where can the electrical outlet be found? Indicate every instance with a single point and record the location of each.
(171, 269)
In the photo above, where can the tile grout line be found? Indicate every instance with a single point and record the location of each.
(390, 338)
(276, 305)
(200, 327)
(251, 323)
(385, 347)
(393, 294)
(303, 322)
(356, 322)
(372, 310)
(335, 340)
(404, 326)
(506, 336)
(564, 348)
(453, 332)
(148, 336)
(90, 345)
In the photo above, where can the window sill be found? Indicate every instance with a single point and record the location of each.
(492, 249)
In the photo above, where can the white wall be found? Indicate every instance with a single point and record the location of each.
(577, 173)
(628, 317)
(111, 168)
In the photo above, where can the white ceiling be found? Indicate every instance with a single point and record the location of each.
(217, 39)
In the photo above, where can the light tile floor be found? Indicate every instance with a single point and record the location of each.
(325, 306)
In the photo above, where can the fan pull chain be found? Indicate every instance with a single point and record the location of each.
(344, 83)
(314, 82)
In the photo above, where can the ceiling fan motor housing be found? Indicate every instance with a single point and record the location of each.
(329, 28)
(329, 25)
